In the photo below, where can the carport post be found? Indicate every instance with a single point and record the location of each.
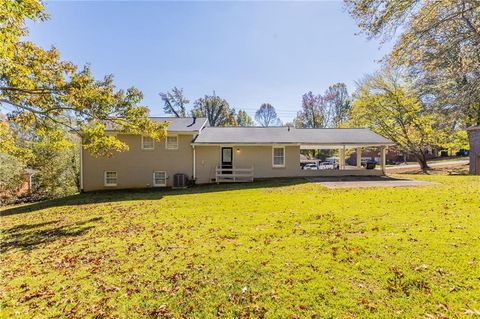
(342, 158)
(359, 157)
(383, 154)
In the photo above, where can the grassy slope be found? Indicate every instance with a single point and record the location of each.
(272, 249)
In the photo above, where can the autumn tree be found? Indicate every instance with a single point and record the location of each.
(215, 109)
(13, 160)
(439, 44)
(388, 105)
(243, 119)
(337, 105)
(57, 162)
(10, 143)
(40, 91)
(175, 102)
(456, 140)
(10, 176)
(52, 154)
(312, 114)
(267, 116)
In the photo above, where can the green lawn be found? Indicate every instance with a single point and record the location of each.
(283, 249)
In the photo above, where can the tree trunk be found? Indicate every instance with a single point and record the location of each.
(422, 161)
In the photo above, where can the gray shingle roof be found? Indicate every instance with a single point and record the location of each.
(182, 124)
(282, 135)
(473, 128)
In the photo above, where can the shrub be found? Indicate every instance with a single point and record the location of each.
(10, 176)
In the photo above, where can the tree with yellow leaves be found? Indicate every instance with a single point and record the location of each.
(40, 91)
(438, 43)
(386, 103)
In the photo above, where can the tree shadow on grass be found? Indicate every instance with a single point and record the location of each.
(356, 178)
(456, 170)
(29, 236)
(111, 196)
(26, 227)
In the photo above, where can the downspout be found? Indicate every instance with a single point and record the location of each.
(81, 165)
(194, 172)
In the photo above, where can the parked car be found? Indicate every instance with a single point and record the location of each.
(326, 165)
(368, 162)
(310, 166)
(462, 153)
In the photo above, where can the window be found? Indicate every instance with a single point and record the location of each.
(171, 142)
(227, 155)
(278, 154)
(159, 178)
(147, 143)
(111, 178)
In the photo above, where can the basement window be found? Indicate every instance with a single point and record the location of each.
(159, 178)
(110, 178)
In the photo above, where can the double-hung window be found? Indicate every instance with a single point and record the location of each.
(171, 142)
(110, 178)
(147, 143)
(278, 156)
(159, 178)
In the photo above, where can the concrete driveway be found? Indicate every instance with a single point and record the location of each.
(368, 182)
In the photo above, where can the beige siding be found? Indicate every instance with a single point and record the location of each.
(206, 158)
(258, 157)
(135, 167)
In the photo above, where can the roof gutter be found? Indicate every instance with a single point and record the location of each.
(168, 131)
(294, 143)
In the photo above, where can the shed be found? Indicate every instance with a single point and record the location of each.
(474, 137)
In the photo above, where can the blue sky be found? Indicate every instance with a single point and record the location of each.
(248, 52)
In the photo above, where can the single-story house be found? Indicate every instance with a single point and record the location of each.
(223, 154)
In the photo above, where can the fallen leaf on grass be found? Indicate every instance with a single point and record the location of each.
(474, 312)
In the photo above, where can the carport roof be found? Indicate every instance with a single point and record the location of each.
(285, 135)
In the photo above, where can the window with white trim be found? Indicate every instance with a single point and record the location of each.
(278, 156)
(171, 142)
(147, 143)
(110, 178)
(159, 178)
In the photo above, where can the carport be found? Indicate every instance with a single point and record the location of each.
(343, 141)
(344, 148)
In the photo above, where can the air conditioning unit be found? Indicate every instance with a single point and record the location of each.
(180, 181)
